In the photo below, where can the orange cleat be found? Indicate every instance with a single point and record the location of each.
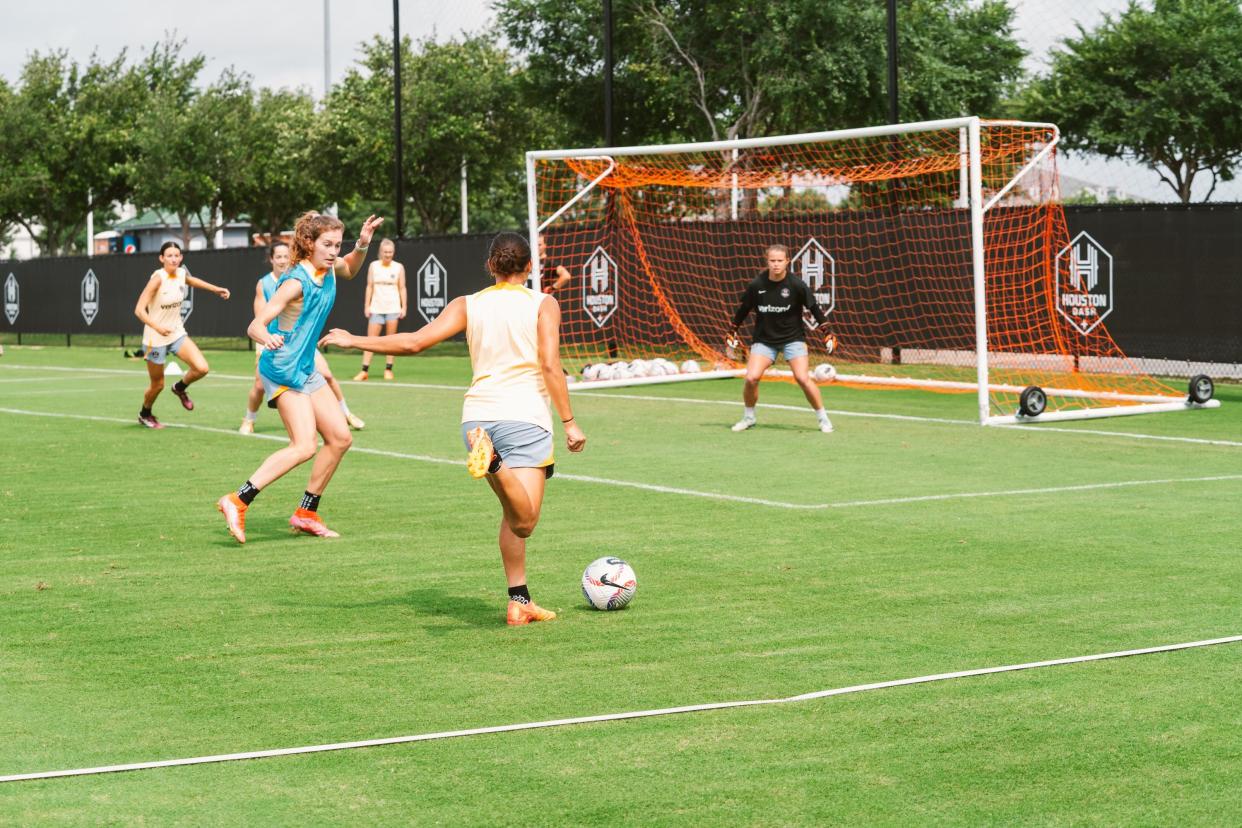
(388, 374)
(234, 512)
(304, 520)
(481, 452)
(520, 613)
(361, 376)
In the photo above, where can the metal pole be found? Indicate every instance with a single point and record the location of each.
(327, 50)
(894, 114)
(465, 210)
(396, 115)
(608, 132)
(90, 226)
(980, 275)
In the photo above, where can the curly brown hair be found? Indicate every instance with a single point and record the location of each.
(310, 226)
(509, 254)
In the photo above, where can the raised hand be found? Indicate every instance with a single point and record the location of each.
(339, 337)
(368, 230)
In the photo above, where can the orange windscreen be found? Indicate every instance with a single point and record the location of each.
(660, 251)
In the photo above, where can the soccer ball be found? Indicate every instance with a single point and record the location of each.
(605, 372)
(608, 583)
(824, 373)
(590, 372)
(689, 367)
(640, 368)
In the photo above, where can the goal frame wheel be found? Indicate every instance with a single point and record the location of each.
(1201, 389)
(1032, 402)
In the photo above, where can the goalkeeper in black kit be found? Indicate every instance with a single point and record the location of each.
(778, 298)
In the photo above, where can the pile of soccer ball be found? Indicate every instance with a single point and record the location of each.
(636, 369)
(824, 373)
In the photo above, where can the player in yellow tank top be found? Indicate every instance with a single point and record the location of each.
(159, 308)
(514, 338)
(385, 302)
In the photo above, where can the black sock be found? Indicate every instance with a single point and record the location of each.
(388, 367)
(146, 412)
(494, 466)
(366, 367)
(520, 594)
(247, 493)
(310, 502)
(179, 387)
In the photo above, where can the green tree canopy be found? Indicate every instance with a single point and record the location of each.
(1159, 85)
(459, 102)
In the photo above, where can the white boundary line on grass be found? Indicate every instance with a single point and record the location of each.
(609, 717)
(578, 390)
(653, 487)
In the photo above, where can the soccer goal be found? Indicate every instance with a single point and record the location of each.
(939, 251)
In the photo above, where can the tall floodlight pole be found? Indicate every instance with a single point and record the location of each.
(396, 113)
(893, 112)
(608, 135)
(327, 50)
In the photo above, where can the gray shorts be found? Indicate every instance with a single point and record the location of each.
(158, 354)
(790, 350)
(381, 318)
(274, 389)
(521, 445)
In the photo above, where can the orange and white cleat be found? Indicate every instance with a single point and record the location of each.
(361, 376)
(234, 512)
(482, 453)
(522, 613)
(388, 374)
(304, 520)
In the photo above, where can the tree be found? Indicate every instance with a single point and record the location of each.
(283, 178)
(66, 136)
(702, 70)
(193, 154)
(459, 102)
(1159, 86)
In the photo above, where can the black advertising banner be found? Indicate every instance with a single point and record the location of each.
(79, 295)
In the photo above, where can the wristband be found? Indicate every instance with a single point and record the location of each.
(362, 248)
(570, 420)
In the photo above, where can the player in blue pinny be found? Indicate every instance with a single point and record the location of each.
(294, 387)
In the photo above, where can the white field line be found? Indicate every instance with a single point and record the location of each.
(690, 401)
(653, 487)
(611, 717)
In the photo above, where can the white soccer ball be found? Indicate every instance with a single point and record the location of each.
(640, 368)
(690, 366)
(609, 583)
(657, 369)
(824, 373)
(605, 372)
(621, 370)
(590, 372)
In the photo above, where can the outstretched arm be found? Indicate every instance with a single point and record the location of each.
(194, 281)
(744, 307)
(348, 266)
(450, 322)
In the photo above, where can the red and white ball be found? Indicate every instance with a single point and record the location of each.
(608, 583)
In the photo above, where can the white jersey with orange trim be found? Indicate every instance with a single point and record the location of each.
(385, 297)
(502, 333)
(165, 309)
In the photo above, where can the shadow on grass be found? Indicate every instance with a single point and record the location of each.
(432, 602)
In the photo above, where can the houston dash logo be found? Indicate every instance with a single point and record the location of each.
(1084, 283)
(599, 287)
(432, 288)
(12, 299)
(90, 296)
(819, 270)
(187, 301)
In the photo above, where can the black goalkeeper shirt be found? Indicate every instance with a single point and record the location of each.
(778, 309)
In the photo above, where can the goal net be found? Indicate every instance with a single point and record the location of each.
(938, 250)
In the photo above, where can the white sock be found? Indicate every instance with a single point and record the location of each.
(251, 416)
(344, 408)
(822, 414)
(748, 412)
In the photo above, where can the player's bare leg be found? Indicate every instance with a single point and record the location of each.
(755, 367)
(253, 400)
(390, 328)
(520, 492)
(801, 371)
(156, 375)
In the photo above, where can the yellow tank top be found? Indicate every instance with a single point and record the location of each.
(385, 297)
(165, 308)
(502, 334)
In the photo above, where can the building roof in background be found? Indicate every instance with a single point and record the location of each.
(157, 220)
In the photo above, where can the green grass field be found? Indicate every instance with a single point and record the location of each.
(132, 627)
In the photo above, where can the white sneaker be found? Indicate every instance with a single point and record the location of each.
(247, 427)
(355, 422)
(744, 423)
(825, 426)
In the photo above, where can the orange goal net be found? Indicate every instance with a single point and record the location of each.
(939, 252)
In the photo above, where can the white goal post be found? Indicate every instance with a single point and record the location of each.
(946, 243)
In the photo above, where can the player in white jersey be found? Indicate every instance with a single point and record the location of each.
(513, 333)
(385, 302)
(163, 333)
(279, 256)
